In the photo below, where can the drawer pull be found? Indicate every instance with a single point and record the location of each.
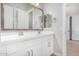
(31, 52)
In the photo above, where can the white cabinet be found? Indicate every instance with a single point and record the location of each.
(41, 46)
(45, 49)
(8, 16)
(22, 52)
(36, 50)
(47, 45)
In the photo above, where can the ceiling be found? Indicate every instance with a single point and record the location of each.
(72, 9)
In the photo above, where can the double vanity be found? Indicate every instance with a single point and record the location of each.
(32, 40)
(32, 43)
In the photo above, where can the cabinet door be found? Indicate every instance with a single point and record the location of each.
(36, 50)
(8, 16)
(45, 49)
(23, 22)
(39, 49)
(47, 46)
(18, 49)
(23, 52)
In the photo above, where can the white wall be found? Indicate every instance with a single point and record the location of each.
(0, 20)
(75, 27)
(0, 16)
(67, 27)
(72, 9)
(56, 10)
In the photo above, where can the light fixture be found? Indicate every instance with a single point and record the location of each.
(35, 4)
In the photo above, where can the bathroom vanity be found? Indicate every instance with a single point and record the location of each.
(29, 44)
(14, 42)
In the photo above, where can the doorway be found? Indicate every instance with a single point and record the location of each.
(73, 39)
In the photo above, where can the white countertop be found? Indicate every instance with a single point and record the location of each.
(25, 36)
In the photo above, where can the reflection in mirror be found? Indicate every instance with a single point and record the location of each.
(30, 20)
(47, 21)
(20, 16)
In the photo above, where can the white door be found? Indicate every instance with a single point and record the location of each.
(8, 16)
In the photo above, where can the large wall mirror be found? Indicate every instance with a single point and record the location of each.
(21, 16)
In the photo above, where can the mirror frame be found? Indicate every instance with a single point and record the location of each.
(2, 20)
